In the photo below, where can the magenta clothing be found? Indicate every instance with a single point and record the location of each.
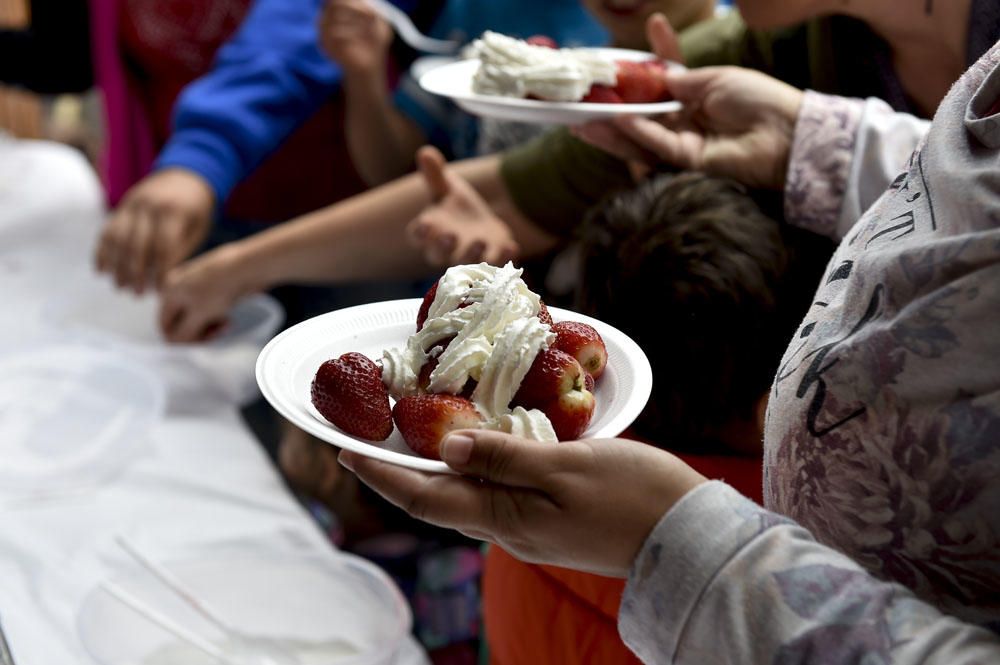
(129, 149)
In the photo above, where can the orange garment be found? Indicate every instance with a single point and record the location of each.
(544, 615)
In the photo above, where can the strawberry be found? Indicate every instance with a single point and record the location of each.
(552, 374)
(583, 343)
(641, 82)
(542, 40)
(556, 384)
(570, 413)
(424, 378)
(589, 381)
(425, 306)
(349, 393)
(602, 94)
(543, 313)
(423, 420)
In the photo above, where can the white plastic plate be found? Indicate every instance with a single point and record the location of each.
(454, 81)
(287, 365)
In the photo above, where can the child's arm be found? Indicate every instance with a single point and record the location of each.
(362, 238)
(381, 140)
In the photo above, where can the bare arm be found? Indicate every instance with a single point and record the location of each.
(380, 138)
(362, 238)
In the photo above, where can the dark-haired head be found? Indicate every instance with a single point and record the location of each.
(711, 288)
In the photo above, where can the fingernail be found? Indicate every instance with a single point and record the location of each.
(456, 450)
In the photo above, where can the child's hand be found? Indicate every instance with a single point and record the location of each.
(355, 36)
(197, 295)
(541, 502)
(158, 224)
(459, 227)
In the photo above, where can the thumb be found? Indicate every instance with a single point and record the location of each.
(691, 85)
(433, 167)
(662, 38)
(500, 458)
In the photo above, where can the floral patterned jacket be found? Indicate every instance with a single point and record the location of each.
(881, 538)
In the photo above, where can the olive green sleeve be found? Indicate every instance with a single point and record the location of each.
(554, 179)
(719, 41)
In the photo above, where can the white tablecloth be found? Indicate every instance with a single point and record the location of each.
(201, 481)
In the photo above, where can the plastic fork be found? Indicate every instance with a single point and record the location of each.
(408, 32)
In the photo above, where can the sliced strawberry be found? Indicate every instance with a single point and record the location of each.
(602, 94)
(570, 413)
(641, 82)
(424, 420)
(583, 343)
(552, 374)
(350, 394)
(425, 306)
(543, 313)
(589, 381)
(542, 40)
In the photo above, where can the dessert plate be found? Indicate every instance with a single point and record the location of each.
(454, 81)
(287, 365)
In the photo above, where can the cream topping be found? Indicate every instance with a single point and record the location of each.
(513, 68)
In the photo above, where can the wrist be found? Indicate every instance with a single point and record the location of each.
(367, 82)
(239, 264)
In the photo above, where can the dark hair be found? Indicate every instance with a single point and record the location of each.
(708, 285)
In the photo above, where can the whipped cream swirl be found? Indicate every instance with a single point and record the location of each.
(494, 318)
(513, 68)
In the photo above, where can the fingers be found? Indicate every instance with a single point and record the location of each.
(662, 38)
(432, 166)
(136, 263)
(679, 149)
(691, 85)
(611, 139)
(502, 459)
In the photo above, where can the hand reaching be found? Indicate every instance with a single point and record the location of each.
(587, 505)
(459, 227)
(356, 37)
(197, 295)
(735, 123)
(161, 221)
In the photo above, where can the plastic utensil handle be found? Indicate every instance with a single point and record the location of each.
(174, 585)
(408, 32)
(167, 623)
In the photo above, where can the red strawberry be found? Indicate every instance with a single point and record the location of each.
(424, 378)
(602, 94)
(349, 393)
(570, 413)
(543, 313)
(583, 343)
(423, 420)
(589, 381)
(641, 82)
(426, 305)
(552, 374)
(542, 40)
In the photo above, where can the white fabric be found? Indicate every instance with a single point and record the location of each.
(202, 480)
(885, 141)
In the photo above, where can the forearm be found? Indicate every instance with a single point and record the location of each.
(382, 140)
(365, 237)
(722, 579)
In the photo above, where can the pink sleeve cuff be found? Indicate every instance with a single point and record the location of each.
(820, 162)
